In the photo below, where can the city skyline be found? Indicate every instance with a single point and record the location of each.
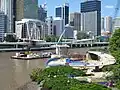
(107, 8)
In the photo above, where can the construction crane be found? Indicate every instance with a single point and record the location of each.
(117, 8)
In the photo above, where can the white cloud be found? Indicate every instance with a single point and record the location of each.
(109, 6)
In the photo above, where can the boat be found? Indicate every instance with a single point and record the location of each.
(30, 55)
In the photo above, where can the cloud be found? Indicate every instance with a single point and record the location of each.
(109, 6)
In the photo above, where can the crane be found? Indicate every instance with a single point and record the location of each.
(117, 8)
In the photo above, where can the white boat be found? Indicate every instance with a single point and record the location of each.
(26, 56)
(29, 56)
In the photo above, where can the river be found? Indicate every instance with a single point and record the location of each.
(14, 74)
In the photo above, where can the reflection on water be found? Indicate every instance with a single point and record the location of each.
(15, 73)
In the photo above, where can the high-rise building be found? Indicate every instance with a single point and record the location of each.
(108, 23)
(117, 23)
(69, 32)
(58, 26)
(7, 8)
(63, 12)
(26, 9)
(91, 17)
(75, 20)
(102, 24)
(42, 13)
(14, 15)
(50, 25)
(3, 23)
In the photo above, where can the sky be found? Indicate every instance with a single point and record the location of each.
(107, 6)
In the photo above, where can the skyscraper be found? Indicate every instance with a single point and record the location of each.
(108, 23)
(58, 26)
(3, 24)
(14, 15)
(26, 9)
(50, 25)
(117, 23)
(42, 13)
(63, 12)
(7, 8)
(91, 17)
(75, 20)
(102, 24)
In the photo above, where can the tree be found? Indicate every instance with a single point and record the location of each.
(64, 83)
(66, 71)
(60, 78)
(82, 35)
(10, 38)
(114, 45)
(60, 83)
(47, 39)
(51, 38)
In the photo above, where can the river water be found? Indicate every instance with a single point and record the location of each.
(14, 74)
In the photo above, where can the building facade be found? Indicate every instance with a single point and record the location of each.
(42, 13)
(91, 17)
(7, 7)
(108, 23)
(50, 25)
(14, 15)
(58, 26)
(117, 23)
(102, 24)
(69, 33)
(63, 12)
(75, 20)
(26, 9)
(3, 24)
(31, 29)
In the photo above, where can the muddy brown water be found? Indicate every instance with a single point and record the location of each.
(14, 74)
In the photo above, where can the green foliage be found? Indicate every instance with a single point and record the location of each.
(116, 73)
(60, 83)
(51, 38)
(118, 85)
(64, 83)
(114, 46)
(40, 75)
(89, 87)
(56, 78)
(35, 74)
(82, 35)
(10, 38)
(108, 68)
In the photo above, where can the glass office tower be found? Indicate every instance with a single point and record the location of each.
(26, 9)
(91, 17)
(63, 12)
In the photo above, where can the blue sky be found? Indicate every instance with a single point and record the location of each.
(107, 6)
